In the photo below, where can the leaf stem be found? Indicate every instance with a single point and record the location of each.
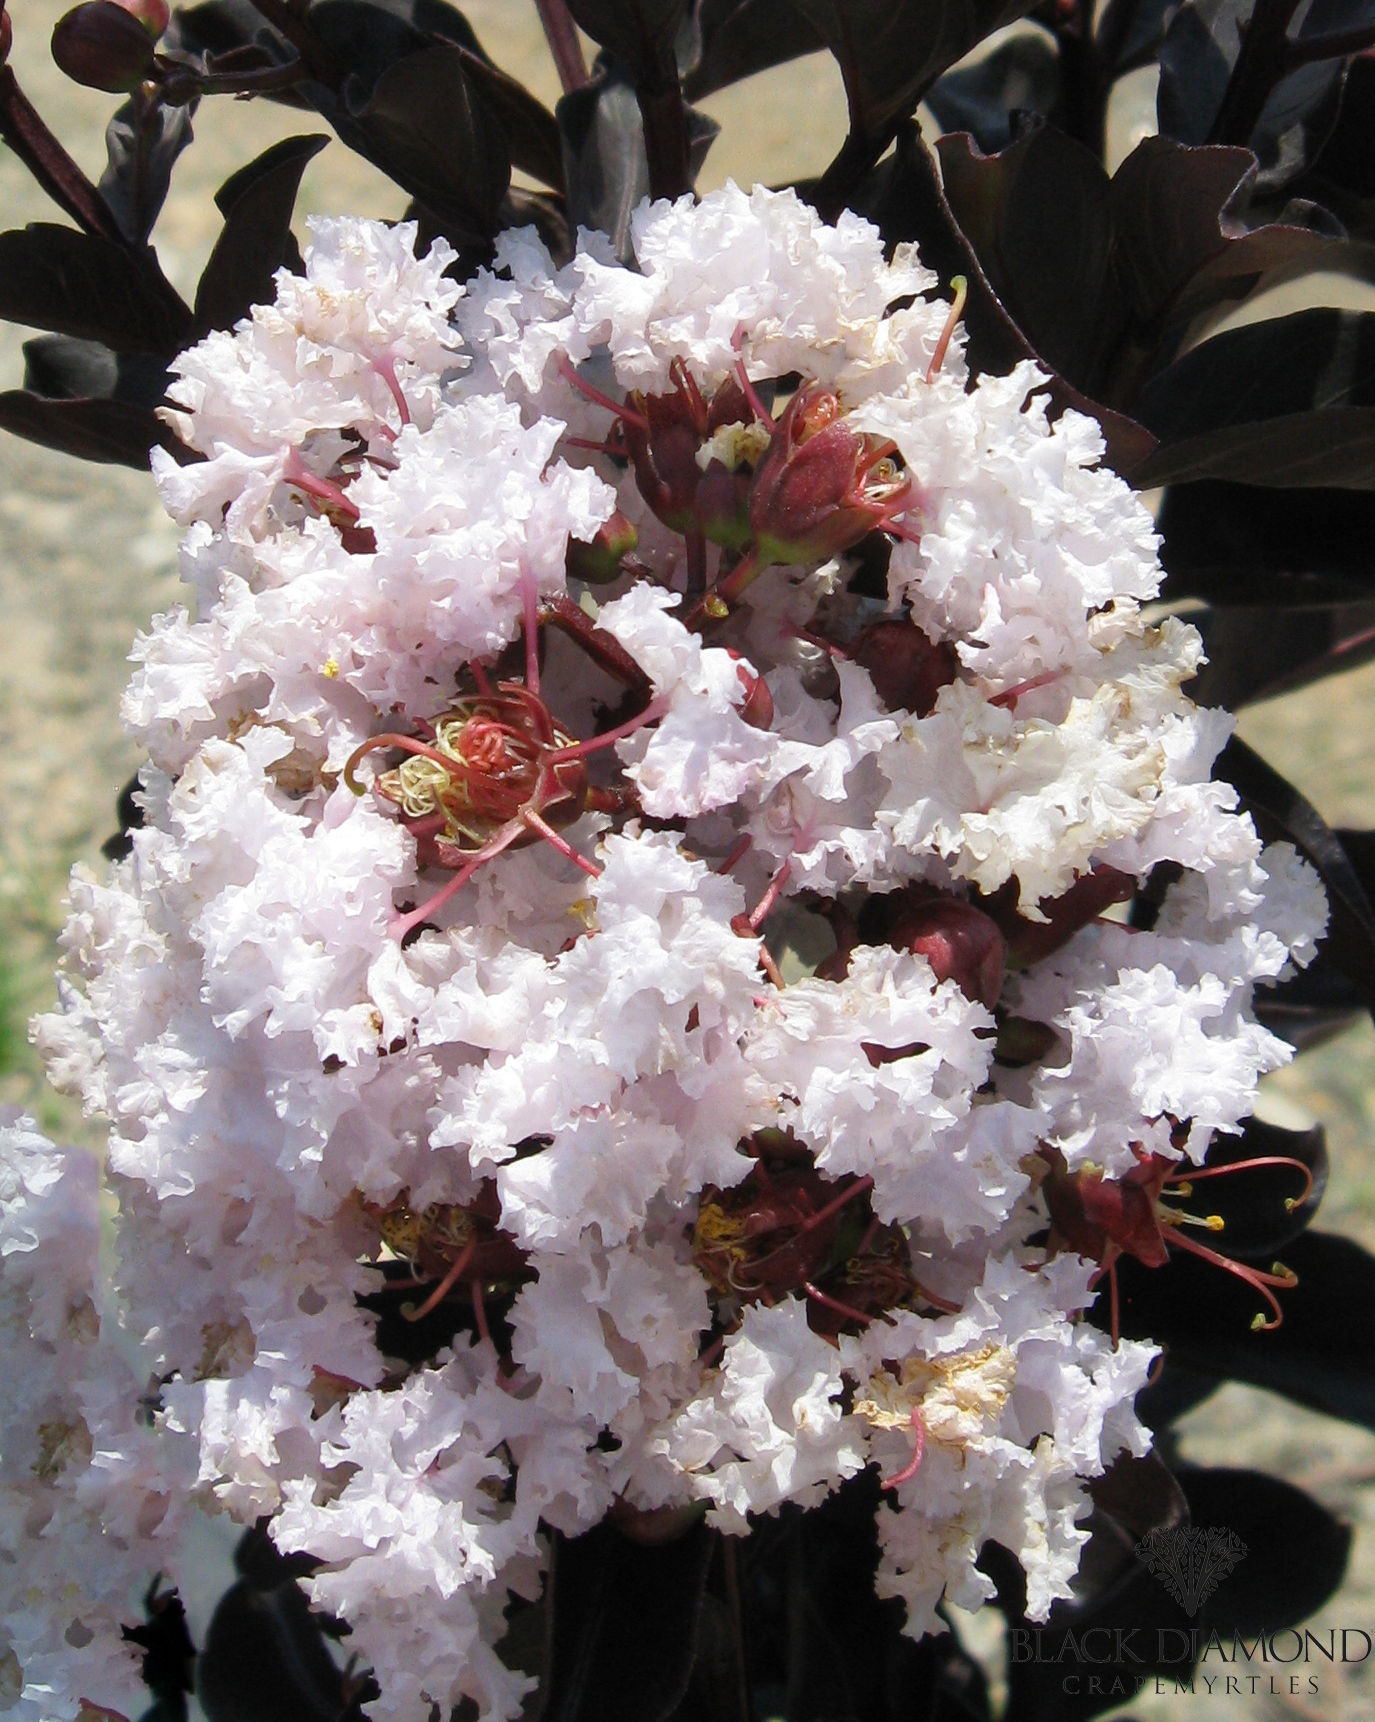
(565, 45)
(24, 130)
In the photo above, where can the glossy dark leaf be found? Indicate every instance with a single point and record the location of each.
(1255, 651)
(1323, 1353)
(1235, 544)
(1296, 1551)
(1132, 1498)
(256, 239)
(1337, 446)
(424, 124)
(1253, 1201)
(1182, 243)
(221, 27)
(62, 368)
(737, 38)
(265, 1658)
(605, 166)
(1039, 217)
(1316, 365)
(1311, 1007)
(1022, 74)
(905, 198)
(1280, 812)
(890, 52)
(142, 143)
(1343, 176)
(78, 284)
(529, 130)
(108, 431)
(638, 33)
(625, 1623)
(821, 1646)
(168, 1654)
(1285, 117)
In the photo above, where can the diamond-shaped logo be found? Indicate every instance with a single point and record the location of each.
(1191, 1561)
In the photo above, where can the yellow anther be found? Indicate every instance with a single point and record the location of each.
(330, 668)
(716, 607)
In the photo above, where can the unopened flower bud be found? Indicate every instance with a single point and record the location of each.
(598, 562)
(960, 943)
(154, 15)
(907, 667)
(757, 706)
(820, 486)
(102, 46)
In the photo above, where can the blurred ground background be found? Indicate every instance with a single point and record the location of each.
(86, 557)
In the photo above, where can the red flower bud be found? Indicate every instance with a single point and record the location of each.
(154, 15)
(757, 705)
(599, 561)
(820, 486)
(960, 943)
(102, 46)
(907, 667)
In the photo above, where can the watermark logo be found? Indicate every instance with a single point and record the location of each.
(1191, 1561)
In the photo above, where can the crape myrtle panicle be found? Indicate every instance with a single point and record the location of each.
(526, 725)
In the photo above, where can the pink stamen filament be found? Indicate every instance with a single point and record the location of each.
(752, 400)
(564, 847)
(579, 749)
(737, 855)
(767, 902)
(1010, 696)
(299, 477)
(961, 286)
(621, 409)
(815, 1293)
(1256, 1278)
(480, 1311)
(445, 1286)
(386, 369)
(906, 1474)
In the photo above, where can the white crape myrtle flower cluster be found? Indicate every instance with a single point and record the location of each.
(464, 939)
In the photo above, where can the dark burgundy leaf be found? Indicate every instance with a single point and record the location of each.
(1323, 1353)
(1310, 361)
(79, 284)
(904, 197)
(1311, 1006)
(740, 37)
(1296, 1551)
(638, 33)
(605, 166)
(1021, 75)
(1232, 543)
(1336, 446)
(891, 51)
(142, 143)
(1039, 217)
(63, 368)
(256, 239)
(625, 1619)
(530, 131)
(101, 430)
(1211, 91)
(1181, 245)
(424, 124)
(220, 27)
(1255, 651)
(265, 1658)
(1132, 1498)
(1281, 813)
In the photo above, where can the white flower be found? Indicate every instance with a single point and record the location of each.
(535, 956)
